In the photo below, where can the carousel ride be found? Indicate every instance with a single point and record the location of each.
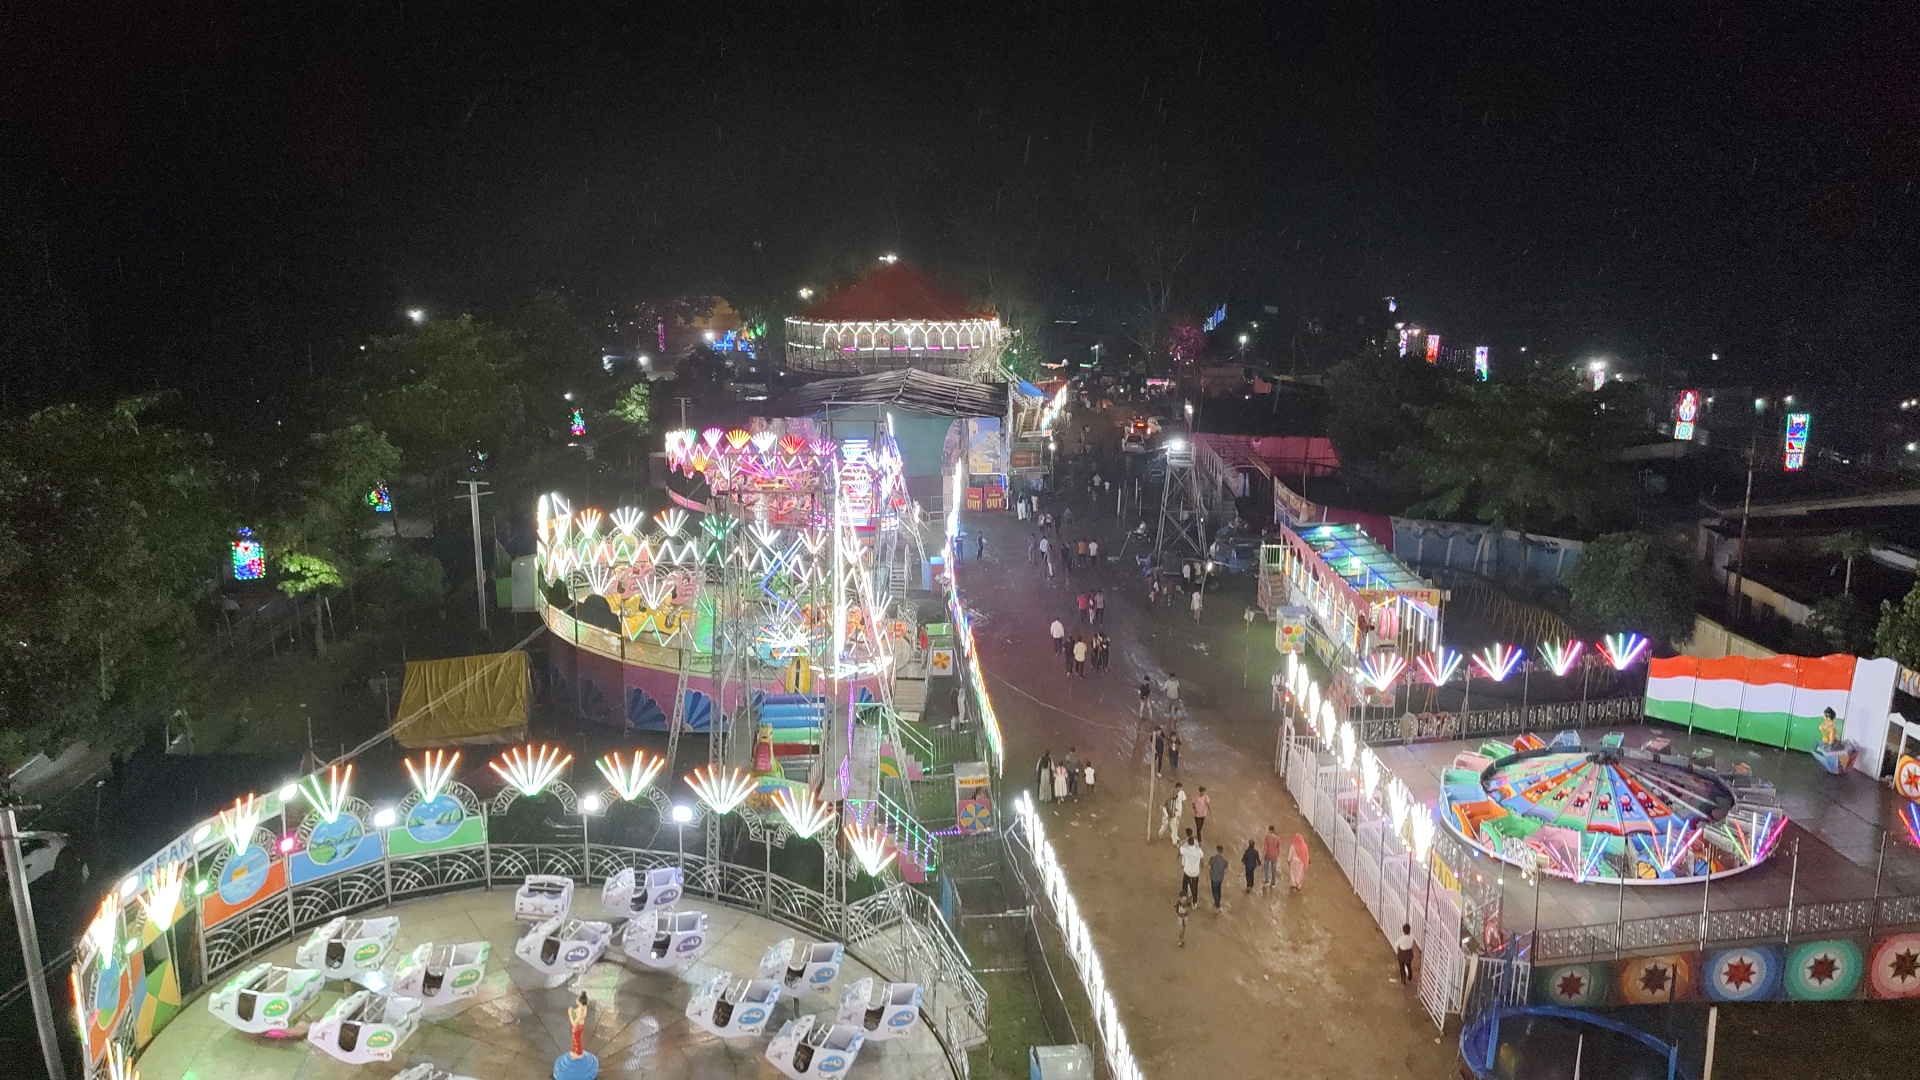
(1610, 813)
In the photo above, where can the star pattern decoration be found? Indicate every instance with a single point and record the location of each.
(1905, 966)
(1571, 986)
(1654, 979)
(1738, 974)
(1824, 968)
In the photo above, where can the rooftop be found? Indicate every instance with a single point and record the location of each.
(894, 292)
(909, 388)
(1360, 560)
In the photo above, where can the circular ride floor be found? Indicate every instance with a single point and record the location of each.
(515, 1027)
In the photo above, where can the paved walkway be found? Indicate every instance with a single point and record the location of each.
(1297, 985)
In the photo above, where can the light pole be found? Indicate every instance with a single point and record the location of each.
(1746, 506)
(10, 837)
(682, 814)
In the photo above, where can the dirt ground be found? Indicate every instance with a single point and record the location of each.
(1289, 985)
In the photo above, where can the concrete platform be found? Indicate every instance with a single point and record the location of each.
(515, 1027)
(1838, 820)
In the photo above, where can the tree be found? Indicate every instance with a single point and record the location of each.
(1634, 581)
(635, 406)
(1898, 635)
(110, 525)
(1377, 405)
(442, 387)
(1842, 624)
(319, 542)
(1849, 545)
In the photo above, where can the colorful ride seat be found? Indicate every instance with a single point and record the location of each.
(562, 948)
(365, 1027)
(543, 897)
(810, 967)
(804, 1048)
(889, 1013)
(731, 1008)
(442, 974)
(265, 998)
(349, 948)
(666, 939)
(628, 895)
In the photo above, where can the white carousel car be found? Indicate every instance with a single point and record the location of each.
(805, 1050)
(733, 1008)
(442, 974)
(542, 897)
(562, 948)
(626, 895)
(888, 1014)
(427, 1070)
(349, 948)
(810, 967)
(365, 1027)
(265, 998)
(665, 939)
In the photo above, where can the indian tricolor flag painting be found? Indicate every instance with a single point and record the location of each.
(1777, 701)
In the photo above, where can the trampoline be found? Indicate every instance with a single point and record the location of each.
(1545, 1042)
(1603, 814)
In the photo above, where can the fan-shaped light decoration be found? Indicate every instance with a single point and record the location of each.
(1673, 841)
(237, 824)
(531, 769)
(1369, 772)
(1326, 717)
(590, 520)
(1754, 839)
(631, 776)
(1622, 650)
(433, 774)
(105, 927)
(1561, 655)
(330, 800)
(1381, 669)
(805, 812)
(1348, 743)
(1498, 661)
(1438, 667)
(1594, 854)
(1399, 804)
(119, 1065)
(161, 901)
(871, 845)
(722, 789)
(1421, 821)
(671, 520)
(626, 519)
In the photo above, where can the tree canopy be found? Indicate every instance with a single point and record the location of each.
(1898, 634)
(1635, 581)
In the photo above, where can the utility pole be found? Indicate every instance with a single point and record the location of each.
(1746, 507)
(479, 561)
(683, 409)
(10, 838)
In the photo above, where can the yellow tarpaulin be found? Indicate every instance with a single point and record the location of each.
(465, 700)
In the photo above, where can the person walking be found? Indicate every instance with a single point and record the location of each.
(1102, 652)
(1099, 606)
(1202, 806)
(1194, 603)
(1270, 860)
(1043, 776)
(1146, 699)
(1171, 688)
(1159, 748)
(1093, 553)
(1217, 872)
(1086, 778)
(1046, 558)
(1191, 855)
(1080, 658)
(1059, 782)
(1173, 753)
(1067, 653)
(1297, 862)
(1250, 861)
(1080, 553)
(1073, 773)
(1403, 952)
(1182, 909)
(1033, 548)
(1085, 604)
(980, 547)
(1170, 811)
(1059, 631)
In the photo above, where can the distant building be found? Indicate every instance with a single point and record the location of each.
(895, 317)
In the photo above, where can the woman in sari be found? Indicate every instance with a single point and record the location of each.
(1297, 862)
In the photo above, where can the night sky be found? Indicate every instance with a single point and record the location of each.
(223, 187)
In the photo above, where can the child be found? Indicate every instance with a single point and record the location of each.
(1182, 909)
(1086, 777)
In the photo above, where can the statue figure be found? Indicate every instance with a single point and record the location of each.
(577, 1020)
(1829, 731)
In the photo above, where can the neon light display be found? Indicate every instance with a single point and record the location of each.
(161, 901)
(1561, 656)
(249, 558)
(577, 423)
(1438, 667)
(237, 824)
(380, 499)
(1498, 661)
(434, 773)
(1382, 669)
(328, 801)
(721, 788)
(856, 483)
(1433, 348)
(871, 845)
(1686, 413)
(803, 810)
(1481, 367)
(1621, 650)
(631, 776)
(529, 769)
(1795, 457)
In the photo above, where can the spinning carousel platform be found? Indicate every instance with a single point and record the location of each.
(515, 1027)
(1838, 821)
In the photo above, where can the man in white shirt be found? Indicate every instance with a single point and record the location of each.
(1059, 635)
(1191, 855)
(1171, 688)
(1403, 952)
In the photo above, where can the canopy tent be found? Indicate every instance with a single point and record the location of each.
(463, 701)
